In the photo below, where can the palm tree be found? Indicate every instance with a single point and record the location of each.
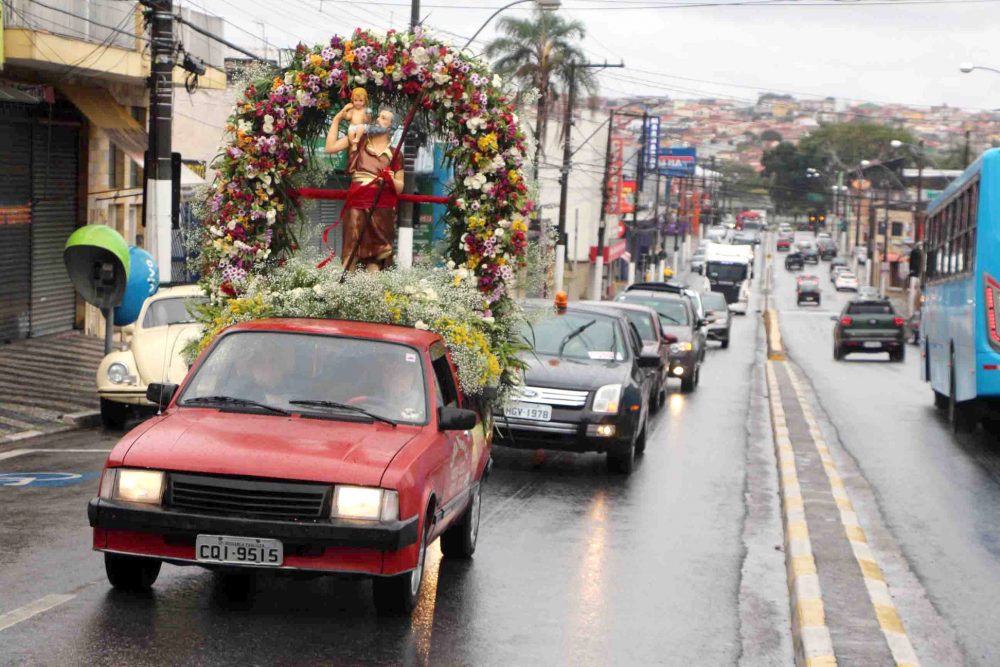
(536, 52)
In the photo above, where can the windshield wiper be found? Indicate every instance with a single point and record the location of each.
(573, 334)
(233, 400)
(667, 317)
(342, 406)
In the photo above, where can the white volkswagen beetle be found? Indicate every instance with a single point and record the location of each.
(164, 327)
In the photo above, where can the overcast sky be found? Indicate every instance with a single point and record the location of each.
(899, 51)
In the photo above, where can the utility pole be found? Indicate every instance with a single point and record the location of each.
(560, 269)
(409, 213)
(871, 241)
(597, 280)
(965, 156)
(157, 204)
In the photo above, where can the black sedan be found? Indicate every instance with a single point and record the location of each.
(654, 339)
(585, 387)
(678, 319)
(794, 261)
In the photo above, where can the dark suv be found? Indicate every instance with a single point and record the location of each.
(678, 319)
(807, 290)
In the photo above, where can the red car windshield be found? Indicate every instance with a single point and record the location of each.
(290, 370)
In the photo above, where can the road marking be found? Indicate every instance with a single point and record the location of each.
(12, 618)
(21, 452)
(809, 629)
(878, 591)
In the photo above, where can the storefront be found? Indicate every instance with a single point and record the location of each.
(39, 209)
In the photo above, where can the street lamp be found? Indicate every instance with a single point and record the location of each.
(544, 5)
(966, 68)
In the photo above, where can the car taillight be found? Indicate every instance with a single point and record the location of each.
(898, 321)
(992, 292)
(847, 321)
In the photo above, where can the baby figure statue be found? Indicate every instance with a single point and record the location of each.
(359, 118)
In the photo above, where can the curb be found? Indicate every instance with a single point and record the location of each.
(810, 634)
(83, 419)
(775, 347)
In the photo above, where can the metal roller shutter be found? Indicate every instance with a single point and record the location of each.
(54, 180)
(15, 229)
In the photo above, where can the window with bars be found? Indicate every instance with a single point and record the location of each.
(951, 235)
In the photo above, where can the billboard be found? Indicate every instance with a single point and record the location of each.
(652, 142)
(678, 161)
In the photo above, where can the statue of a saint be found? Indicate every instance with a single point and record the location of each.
(369, 226)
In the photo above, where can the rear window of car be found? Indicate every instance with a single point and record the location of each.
(173, 310)
(869, 309)
(643, 323)
(672, 312)
(713, 301)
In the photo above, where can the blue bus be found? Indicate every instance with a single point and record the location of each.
(960, 339)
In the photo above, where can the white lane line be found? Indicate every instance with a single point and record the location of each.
(20, 452)
(12, 618)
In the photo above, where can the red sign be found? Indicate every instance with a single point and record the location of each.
(627, 204)
(611, 252)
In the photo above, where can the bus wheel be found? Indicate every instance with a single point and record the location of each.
(960, 414)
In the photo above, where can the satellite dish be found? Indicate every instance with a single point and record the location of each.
(97, 260)
(143, 281)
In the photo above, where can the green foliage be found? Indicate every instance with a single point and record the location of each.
(785, 168)
(770, 135)
(847, 144)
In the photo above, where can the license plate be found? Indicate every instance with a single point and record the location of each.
(542, 413)
(873, 344)
(238, 550)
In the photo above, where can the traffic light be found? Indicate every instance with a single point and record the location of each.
(817, 219)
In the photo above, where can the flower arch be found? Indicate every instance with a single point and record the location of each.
(254, 203)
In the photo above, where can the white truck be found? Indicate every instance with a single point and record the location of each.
(729, 269)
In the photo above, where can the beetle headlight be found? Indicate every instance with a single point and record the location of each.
(117, 373)
(683, 346)
(137, 486)
(607, 397)
(364, 502)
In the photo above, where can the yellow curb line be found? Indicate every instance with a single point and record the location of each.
(878, 591)
(813, 645)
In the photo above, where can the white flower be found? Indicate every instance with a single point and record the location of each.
(360, 80)
(420, 56)
(441, 78)
(497, 81)
(271, 215)
(268, 124)
(448, 58)
(489, 320)
(475, 182)
(289, 78)
(504, 222)
(244, 126)
(451, 264)
(475, 124)
(498, 233)
(297, 293)
(420, 324)
(397, 74)
(318, 289)
(431, 294)
(498, 163)
(377, 78)
(462, 273)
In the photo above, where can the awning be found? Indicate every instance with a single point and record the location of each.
(611, 252)
(102, 110)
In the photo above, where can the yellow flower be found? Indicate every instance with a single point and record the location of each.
(316, 60)
(389, 69)
(513, 177)
(488, 143)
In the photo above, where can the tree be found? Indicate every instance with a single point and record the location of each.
(845, 145)
(537, 52)
(770, 135)
(787, 167)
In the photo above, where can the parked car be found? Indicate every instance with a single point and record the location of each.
(718, 316)
(836, 271)
(164, 326)
(654, 339)
(679, 319)
(349, 451)
(585, 388)
(807, 290)
(913, 327)
(846, 281)
(793, 261)
(869, 325)
(826, 247)
(835, 263)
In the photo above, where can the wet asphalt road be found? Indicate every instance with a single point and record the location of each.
(936, 494)
(678, 564)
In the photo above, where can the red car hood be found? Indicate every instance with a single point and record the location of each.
(207, 441)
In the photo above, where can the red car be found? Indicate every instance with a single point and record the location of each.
(304, 445)
(783, 243)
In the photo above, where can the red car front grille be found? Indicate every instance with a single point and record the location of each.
(209, 494)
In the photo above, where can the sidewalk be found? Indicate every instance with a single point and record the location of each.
(43, 380)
